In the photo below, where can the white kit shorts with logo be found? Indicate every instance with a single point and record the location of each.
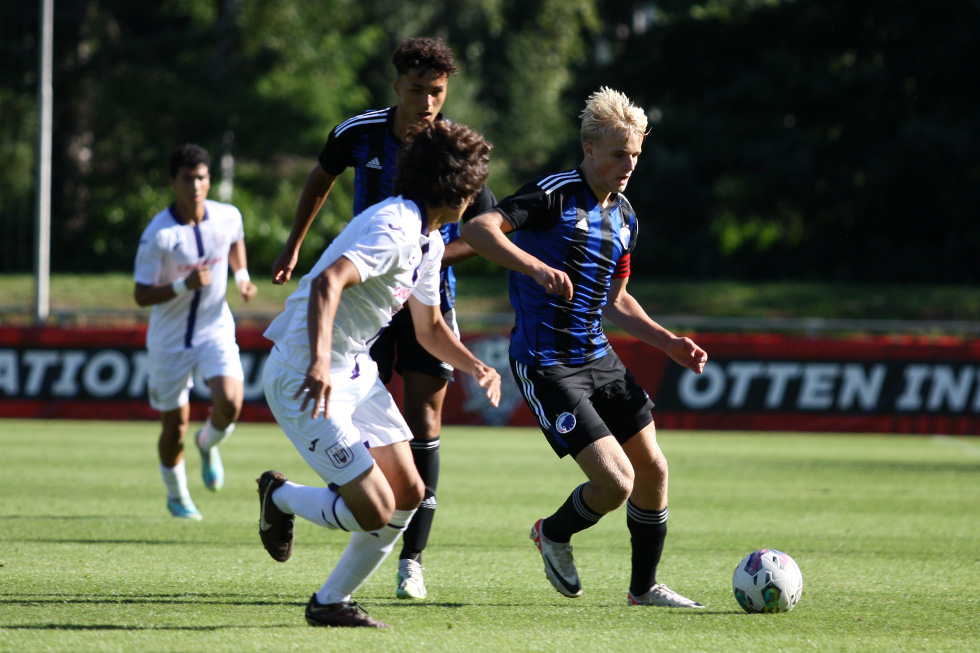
(361, 414)
(172, 373)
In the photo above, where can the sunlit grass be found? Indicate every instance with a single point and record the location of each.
(884, 529)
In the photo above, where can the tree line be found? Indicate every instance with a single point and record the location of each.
(823, 140)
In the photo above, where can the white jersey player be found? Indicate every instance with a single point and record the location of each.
(394, 258)
(169, 251)
(323, 387)
(191, 327)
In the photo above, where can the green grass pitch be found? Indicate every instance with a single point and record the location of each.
(884, 528)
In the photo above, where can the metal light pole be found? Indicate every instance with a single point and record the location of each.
(42, 222)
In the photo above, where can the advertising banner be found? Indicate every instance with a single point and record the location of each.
(751, 382)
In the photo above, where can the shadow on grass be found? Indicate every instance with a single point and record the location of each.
(99, 517)
(97, 627)
(160, 599)
(60, 540)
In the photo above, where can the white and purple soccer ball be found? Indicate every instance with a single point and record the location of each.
(767, 581)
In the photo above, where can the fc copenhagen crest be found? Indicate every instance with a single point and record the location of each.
(565, 423)
(624, 236)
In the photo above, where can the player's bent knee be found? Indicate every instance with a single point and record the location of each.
(611, 494)
(227, 409)
(375, 518)
(655, 472)
(413, 498)
(370, 499)
(409, 495)
(372, 510)
(373, 524)
(620, 493)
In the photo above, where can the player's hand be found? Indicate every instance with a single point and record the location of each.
(687, 354)
(247, 289)
(198, 278)
(489, 378)
(554, 281)
(282, 269)
(316, 388)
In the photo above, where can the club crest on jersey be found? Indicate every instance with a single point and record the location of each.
(219, 240)
(340, 454)
(565, 423)
(624, 236)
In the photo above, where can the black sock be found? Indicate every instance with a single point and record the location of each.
(574, 516)
(648, 530)
(416, 536)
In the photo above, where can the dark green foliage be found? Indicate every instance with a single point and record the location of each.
(830, 140)
(790, 140)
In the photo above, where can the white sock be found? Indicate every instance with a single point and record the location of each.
(209, 436)
(320, 505)
(364, 554)
(175, 478)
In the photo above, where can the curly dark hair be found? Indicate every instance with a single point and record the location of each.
(189, 155)
(442, 163)
(428, 55)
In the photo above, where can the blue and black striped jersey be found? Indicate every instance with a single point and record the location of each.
(367, 143)
(557, 219)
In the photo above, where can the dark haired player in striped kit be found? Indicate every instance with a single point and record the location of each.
(370, 143)
(570, 259)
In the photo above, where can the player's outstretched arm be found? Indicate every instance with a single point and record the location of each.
(435, 335)
(456, 252)
(486, 234)
(626, 313)
(314, 194)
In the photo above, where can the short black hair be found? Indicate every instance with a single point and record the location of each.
(428, 55)
(442, 163)
(190, 155)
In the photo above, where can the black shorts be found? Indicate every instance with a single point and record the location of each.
(576, 405)
(396, 349)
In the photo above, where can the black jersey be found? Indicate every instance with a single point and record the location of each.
(367, 143)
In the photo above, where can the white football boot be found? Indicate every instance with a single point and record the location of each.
(411, 585)
(559, 565)
(662, 596)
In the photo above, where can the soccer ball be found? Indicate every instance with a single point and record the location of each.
(767, 581)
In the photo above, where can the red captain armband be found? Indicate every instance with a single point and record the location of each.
(622, 268)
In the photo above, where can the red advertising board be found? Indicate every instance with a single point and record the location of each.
(751, 382)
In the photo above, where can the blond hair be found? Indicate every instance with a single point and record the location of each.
(608, 111)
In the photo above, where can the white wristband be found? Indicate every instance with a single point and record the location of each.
(242, 275)
(179, 287)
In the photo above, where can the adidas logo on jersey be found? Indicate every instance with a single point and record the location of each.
(583, 223)
(373, 163)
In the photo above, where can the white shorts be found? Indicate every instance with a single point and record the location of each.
(172, 373)
(361, 414)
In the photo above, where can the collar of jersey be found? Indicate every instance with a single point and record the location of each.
(588, 189)
(173, 214)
